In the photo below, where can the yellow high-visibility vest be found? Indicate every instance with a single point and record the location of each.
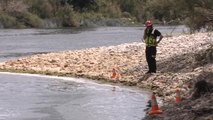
(151, 39)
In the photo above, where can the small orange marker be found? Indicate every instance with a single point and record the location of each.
(114, 74)
(155, 108)
(178, 98)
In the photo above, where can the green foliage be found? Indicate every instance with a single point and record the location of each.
(111, 9)
(131, 6)
(91, 16)
(29, 19)
(128, 5)
(7, 21)
(126, 15)
(68, 16)
(84, 5)
(161, 10)
(41, 8)
(32, 20)
(80, 5)
(196, 14)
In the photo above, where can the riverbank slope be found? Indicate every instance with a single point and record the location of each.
(181, 60)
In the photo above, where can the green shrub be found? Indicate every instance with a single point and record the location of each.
(68, 17)
(7, 21)
(41, 8)
(33, 20)
(91, 16)
(29, 19)
(126, 15)
(113, 10)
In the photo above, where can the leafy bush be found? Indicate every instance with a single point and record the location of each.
(68, 17)
(7, 21)
(112, 10)
(126, 15)
(29, 19)
(41, 8)
(91, 16)
(32, 20)
(84, 5)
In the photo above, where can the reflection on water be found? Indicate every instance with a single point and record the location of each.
(26, 97)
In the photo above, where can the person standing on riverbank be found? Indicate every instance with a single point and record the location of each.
(150, 37)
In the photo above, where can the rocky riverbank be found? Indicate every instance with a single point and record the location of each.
(181, 60)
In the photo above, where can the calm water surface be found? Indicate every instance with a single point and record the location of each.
(34, 97)
(16, 43)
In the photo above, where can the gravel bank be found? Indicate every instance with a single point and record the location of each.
(180, 60)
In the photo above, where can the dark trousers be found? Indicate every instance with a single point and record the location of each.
(150, 58)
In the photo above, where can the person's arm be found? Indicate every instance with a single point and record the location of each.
(161, 37)
(158, 33)
(144, 36)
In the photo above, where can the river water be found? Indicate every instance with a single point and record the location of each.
(16, 43)
(39, 97)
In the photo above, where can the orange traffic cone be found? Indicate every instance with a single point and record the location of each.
(114, 74)
(155, 109)
(178, 98)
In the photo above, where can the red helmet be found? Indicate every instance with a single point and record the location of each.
(148, 23)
